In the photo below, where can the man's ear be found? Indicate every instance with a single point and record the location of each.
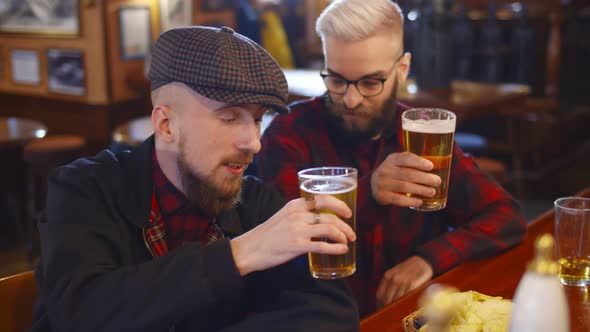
(162, 123)
(404, 67)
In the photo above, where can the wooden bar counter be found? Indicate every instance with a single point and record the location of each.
(496, 276)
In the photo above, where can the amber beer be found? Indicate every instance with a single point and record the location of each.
(340, 182)
(428, 133)
(572, 235)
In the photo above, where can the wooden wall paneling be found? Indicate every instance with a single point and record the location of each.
(90, 42)
(94, 122)
(216, 18)
(95, 60)
(313, 9)
(3, 67)
(60, 117)
(221, 17)
(120, 71)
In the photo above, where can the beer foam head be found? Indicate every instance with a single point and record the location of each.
(429, 126)
(332, 186)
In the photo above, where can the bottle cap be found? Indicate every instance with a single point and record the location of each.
(543, 263)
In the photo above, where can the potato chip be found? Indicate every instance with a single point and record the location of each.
(471, 311)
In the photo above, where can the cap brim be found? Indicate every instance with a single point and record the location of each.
(243, 97)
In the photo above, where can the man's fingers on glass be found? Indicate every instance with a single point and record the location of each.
(420, 177)
(322, 247)
(341, 225)
(333, 204)
(310, 202)
(408, 159)
(412, 188)
(317, 218)
(332, 224)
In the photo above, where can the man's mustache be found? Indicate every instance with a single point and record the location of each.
(240, 159)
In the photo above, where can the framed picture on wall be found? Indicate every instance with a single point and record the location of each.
(175, 13)
(66, 72)
(135, 32)
(46, 17)
(25, 67)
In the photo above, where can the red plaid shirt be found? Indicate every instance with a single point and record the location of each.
(481, 219)
(173, 221)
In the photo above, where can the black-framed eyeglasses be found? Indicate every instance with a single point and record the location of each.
(367, 87)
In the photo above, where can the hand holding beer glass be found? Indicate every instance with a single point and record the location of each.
(428, 133)
(340, 182)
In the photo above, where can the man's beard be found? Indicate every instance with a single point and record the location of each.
(204, 192)
(380, 123)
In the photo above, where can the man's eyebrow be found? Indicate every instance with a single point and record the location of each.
(377, 73)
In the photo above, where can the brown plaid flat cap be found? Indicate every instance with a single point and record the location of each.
(219, 64)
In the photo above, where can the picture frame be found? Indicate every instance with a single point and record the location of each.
(25, 67)
(175, 14)
(56, 18)
(65, 72)
(135, 32)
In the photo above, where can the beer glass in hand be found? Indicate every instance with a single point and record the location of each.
(340, 182)
(428, 133)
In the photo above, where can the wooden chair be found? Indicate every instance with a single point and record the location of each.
(17, 297)
(41, 157)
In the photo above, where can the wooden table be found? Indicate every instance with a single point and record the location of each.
(497, 276)
(14, 134)
(16, 131)
(469, 100)
(134, 132)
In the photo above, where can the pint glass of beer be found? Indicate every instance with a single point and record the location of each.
(572, 235)
(340, 182)
(428, 133)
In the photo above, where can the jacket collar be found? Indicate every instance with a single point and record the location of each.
(137, 165)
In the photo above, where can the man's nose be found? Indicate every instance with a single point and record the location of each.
(249, 140)
(352, 97)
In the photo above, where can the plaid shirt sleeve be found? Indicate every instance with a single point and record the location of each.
(285, 151)
(283, 154)
(486, 219)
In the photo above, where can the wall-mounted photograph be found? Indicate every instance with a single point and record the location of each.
(46, 17)
(66, 72)
(175, 13)
(25, 67)
(135, 32)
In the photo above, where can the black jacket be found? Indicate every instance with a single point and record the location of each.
(96, 273)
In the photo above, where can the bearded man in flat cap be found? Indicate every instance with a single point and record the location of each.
(170, 236)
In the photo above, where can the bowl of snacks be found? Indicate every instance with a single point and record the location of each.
(446, 309)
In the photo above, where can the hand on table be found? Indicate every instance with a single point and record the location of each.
(402, 173)
(403, 278)
(289, 234)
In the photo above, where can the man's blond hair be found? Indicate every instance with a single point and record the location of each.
(354, 20)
